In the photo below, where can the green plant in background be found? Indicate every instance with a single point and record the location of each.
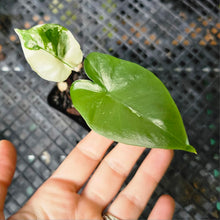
(122, 100)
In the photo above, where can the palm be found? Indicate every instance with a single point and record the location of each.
(56, 200)
(59, 197)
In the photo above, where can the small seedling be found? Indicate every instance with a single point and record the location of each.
(122, 100)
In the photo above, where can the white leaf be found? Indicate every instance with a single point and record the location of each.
(51, 50)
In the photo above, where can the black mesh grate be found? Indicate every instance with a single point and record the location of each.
(177, 40)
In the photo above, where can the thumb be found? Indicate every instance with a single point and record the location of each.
(7, 169)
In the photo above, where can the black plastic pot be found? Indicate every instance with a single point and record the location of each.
(62, 100)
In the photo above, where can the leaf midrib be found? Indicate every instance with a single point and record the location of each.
(56, 57)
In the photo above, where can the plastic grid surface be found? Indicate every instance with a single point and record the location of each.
(177, 40)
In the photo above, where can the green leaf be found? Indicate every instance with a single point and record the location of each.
(51, 50)
(129, 104)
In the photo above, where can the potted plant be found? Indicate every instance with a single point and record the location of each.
(118, 99)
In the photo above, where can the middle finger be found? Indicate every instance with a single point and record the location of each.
(110, 175)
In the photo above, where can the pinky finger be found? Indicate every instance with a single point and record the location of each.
(163, 209)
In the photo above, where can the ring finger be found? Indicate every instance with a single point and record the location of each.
(132, 200)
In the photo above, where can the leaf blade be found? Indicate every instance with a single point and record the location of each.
(51, 50)
(136, 127)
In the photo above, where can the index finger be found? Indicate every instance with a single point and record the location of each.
(83, 159)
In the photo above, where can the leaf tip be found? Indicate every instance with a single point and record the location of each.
(191, 149)
(17, 30)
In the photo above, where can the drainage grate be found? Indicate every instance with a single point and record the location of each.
(177, 40)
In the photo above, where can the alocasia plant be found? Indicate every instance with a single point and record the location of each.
(122, 100)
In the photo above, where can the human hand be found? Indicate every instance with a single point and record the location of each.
(58, 197)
